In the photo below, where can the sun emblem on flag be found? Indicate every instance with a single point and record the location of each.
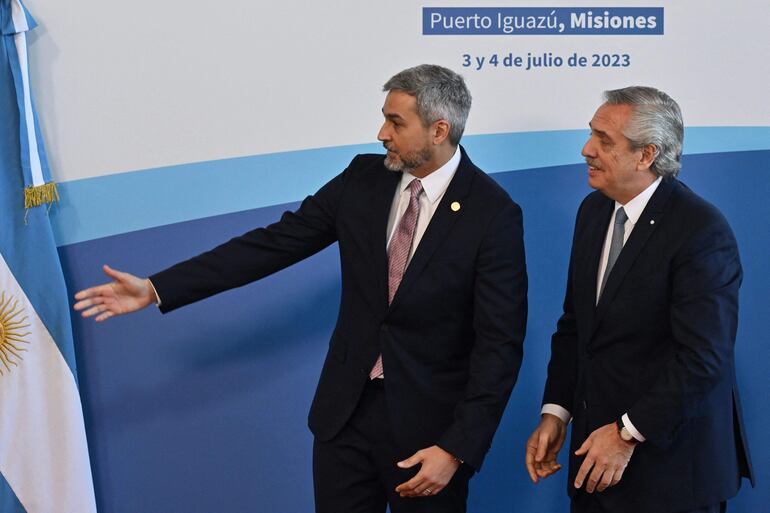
(12, 332)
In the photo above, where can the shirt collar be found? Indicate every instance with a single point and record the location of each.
(436, 183)
(635, 207)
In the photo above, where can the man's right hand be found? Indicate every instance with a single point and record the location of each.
(543, 446)
(125, 294)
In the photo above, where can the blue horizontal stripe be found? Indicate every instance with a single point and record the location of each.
(113, 204)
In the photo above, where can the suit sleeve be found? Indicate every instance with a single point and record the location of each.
(500, 316)
(705, 278)
(257, 253)
(563, 367)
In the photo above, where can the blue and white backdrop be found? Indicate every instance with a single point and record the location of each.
(172, 126)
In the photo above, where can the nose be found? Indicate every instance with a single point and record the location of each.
(384, 133)
(588, 148)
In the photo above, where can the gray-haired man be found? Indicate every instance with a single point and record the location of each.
(642, 358)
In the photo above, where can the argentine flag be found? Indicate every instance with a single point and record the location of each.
(44, 465)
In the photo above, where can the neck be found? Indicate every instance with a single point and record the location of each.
(440, 157)
(636, 189)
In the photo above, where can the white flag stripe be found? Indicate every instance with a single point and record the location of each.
(43, 454)
(20, 39)
(18, 17)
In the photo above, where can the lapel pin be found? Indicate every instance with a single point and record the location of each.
(455, 206)
(652, 221)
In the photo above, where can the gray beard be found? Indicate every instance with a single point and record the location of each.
(408, 163)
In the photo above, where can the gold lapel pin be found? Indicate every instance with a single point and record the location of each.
(455, 206)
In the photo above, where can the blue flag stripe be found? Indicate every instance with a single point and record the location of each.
(29, 249)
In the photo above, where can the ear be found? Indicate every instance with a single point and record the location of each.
(440, 131)
(649, 152)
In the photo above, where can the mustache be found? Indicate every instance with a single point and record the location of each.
(593, 163)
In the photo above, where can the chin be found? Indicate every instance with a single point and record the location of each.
(394, 163)
(594, 182)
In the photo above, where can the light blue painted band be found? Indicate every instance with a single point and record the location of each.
(114, 204)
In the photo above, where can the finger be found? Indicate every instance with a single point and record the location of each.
(606, 480)
(542, 446)
(411, 461)
(429, 492)
(91, 292)
(410, 485)
(410, 492)
(594, 478)
(617, 476)
(583, 471)
(103, 317)
(80, 305)
(548, 469)
(426, 489)
(552, 466)
(534, 473)
(529, 461)
(94, 310)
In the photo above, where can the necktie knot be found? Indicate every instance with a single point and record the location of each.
(620, 216)
(415, 188)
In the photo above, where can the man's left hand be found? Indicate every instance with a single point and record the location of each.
(437, 468)
(608, 454)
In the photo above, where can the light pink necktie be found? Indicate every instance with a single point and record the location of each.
(398, 253)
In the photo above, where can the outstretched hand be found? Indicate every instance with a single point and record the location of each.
(125, 294)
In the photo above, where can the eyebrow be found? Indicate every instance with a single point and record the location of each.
(600, 132)
(392, 115)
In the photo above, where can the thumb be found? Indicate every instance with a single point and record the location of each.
(584, 448)
(411, 461)
(114, 274)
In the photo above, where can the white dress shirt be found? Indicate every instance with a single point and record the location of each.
(434, 186)
(633, 209)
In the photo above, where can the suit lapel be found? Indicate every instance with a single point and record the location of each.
(440, 224)
(645, 226)
(382, 199)
(589, 267)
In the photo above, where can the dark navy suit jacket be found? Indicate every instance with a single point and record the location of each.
(452, 338)
(658, 346)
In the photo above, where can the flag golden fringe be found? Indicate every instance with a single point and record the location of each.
(40, 195)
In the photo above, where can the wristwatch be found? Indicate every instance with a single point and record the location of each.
(624, 433)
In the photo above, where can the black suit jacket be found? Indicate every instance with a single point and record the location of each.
(452, 338)
(658, 346)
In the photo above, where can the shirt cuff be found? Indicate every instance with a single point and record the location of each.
(631, 429)
(559, 411)
(157, 303)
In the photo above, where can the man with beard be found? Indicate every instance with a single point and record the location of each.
(642, 358)
(428, 342)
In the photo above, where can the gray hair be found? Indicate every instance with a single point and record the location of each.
(656, 120)
(440, 93)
